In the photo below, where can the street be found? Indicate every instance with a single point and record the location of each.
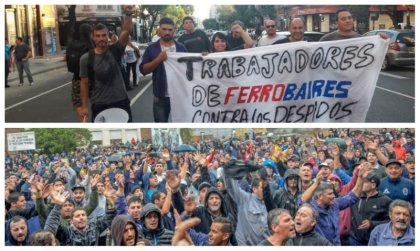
(50, 99)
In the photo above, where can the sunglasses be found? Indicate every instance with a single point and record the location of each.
(270, 26)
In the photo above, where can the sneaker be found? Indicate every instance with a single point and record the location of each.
(20, 84)
(31, 84)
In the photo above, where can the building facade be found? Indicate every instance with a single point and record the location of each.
(107, 137)
(36, 24)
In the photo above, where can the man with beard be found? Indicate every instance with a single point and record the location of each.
(99, 72)
(153, 59)
(398, 231)
(124, 231)
(18, 232)
(282, 228)
(81, 232)
(286, 197)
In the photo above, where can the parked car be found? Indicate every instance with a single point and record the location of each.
(401, 50)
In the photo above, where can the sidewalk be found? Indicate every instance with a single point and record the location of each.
(40, 65)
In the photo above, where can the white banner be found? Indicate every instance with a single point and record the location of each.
(287, 83)
(21, 141)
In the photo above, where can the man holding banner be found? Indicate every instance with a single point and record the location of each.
(153, 59)
(345, 27)
(296, 29)
(297, 82)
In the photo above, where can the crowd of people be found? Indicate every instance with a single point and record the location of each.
(347, 187)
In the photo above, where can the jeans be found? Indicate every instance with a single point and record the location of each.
(161, 109)
(6, 63)
(123, 104)
(24, 65)
(132, 67)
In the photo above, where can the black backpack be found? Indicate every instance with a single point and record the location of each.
(73, 54)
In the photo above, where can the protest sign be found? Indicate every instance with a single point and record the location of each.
(295, 82)
(21, 141)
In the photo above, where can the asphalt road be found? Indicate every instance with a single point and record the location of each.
(50, 99)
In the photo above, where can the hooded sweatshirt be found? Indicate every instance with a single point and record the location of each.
(10, 241)
(159, 236)
(283, 198)
(118, 226)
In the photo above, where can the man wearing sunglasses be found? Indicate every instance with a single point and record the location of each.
(271, 36)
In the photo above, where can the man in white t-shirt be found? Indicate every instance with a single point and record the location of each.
(271, 36)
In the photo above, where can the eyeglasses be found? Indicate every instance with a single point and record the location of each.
(270, 26)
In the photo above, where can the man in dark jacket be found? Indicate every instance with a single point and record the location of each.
(214, 206)
(124, 231)
(153, 229)
(305, 222)
(81, 232)
(17, 227)
(287, 197)
(370, 211)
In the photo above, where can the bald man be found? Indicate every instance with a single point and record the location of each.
(271, 36)
(296, 29)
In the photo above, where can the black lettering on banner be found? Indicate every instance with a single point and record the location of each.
(330, 58)
(316, 58)
(213, 100)
(326, 105)
(206, 69)
(278, 113)
(302, 59)
(347, 111)
(199, 95)
(348, 55)
(253, 67)
(238, 67)
(336, 107)
(224, 69)
(268, 71)
(190, 61)
(365, 55)
(285, 63)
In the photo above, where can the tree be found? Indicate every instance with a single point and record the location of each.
(71, 10)
(154, 11)
(210, 23)
(361, 14)
(186, 135)
(57, 140)
(175, 13)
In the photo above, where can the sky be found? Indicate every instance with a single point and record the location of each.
(202, 10)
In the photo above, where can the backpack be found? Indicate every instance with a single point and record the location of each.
(73, 54)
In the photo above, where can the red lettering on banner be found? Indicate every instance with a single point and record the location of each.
(265, 93)
(229, 93)
(242, 94)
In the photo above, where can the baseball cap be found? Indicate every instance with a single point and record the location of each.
(203, 185)
(323, 164)
(392, 161)
(410, 159)
(78, 186)
(372, 177)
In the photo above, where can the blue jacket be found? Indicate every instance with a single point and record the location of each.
(328, 224)
(160, 83)
(401, 188)
(382, 236)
